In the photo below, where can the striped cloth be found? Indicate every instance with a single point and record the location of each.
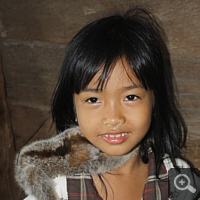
(156, 188)
(81, 186)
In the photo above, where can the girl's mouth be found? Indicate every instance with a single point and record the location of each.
(115, 138)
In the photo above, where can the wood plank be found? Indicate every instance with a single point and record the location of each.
(25, 122)
(47, 20)
(187, 76)
(8, 189)
(187, 79)
(31, 72)
(193, 150)
(59, 21)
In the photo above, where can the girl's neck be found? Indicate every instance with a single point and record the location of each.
(124, 183)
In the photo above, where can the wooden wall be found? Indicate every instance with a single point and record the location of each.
(34, 35)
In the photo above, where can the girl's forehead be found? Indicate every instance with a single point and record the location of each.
(121, 73)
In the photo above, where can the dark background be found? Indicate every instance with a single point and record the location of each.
(33, 38)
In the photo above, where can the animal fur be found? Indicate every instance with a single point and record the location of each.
(68, 153)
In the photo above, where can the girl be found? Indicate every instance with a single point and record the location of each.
(116, 86)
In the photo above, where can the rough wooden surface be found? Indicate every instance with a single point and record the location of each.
(188, 83)
(7, 147)
(32, 70)
(34, 36)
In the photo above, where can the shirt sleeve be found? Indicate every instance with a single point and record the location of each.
(180, 163)
(30, 197)
(60, 187)
(191, 190)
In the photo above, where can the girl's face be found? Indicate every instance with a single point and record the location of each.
(117, 118)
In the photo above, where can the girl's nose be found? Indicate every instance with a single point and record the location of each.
(113, 116)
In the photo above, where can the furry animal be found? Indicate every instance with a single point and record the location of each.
(68, 153)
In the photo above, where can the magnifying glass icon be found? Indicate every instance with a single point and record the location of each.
(182, 182)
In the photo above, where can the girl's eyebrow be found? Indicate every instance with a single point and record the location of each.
(131, 87)
(91, 90)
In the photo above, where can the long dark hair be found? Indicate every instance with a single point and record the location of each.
(137, 37)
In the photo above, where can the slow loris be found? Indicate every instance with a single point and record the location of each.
(68, 153)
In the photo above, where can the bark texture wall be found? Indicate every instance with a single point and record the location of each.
(7, 146)
(34, 36)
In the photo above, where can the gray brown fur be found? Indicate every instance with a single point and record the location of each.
(68, 153)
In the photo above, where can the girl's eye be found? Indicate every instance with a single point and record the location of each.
(131, 98)
(92, 100)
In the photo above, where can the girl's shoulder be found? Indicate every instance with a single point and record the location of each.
(184, 181)
(179, 162)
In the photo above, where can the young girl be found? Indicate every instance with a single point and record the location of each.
(116, 87)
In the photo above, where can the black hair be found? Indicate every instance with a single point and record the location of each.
(137, 37)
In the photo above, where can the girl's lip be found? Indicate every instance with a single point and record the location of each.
(115, 137)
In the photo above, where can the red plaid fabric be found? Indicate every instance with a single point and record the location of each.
(81, 187)
(156, 189)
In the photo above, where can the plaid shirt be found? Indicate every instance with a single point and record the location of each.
(81, 186)
(156, 188)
